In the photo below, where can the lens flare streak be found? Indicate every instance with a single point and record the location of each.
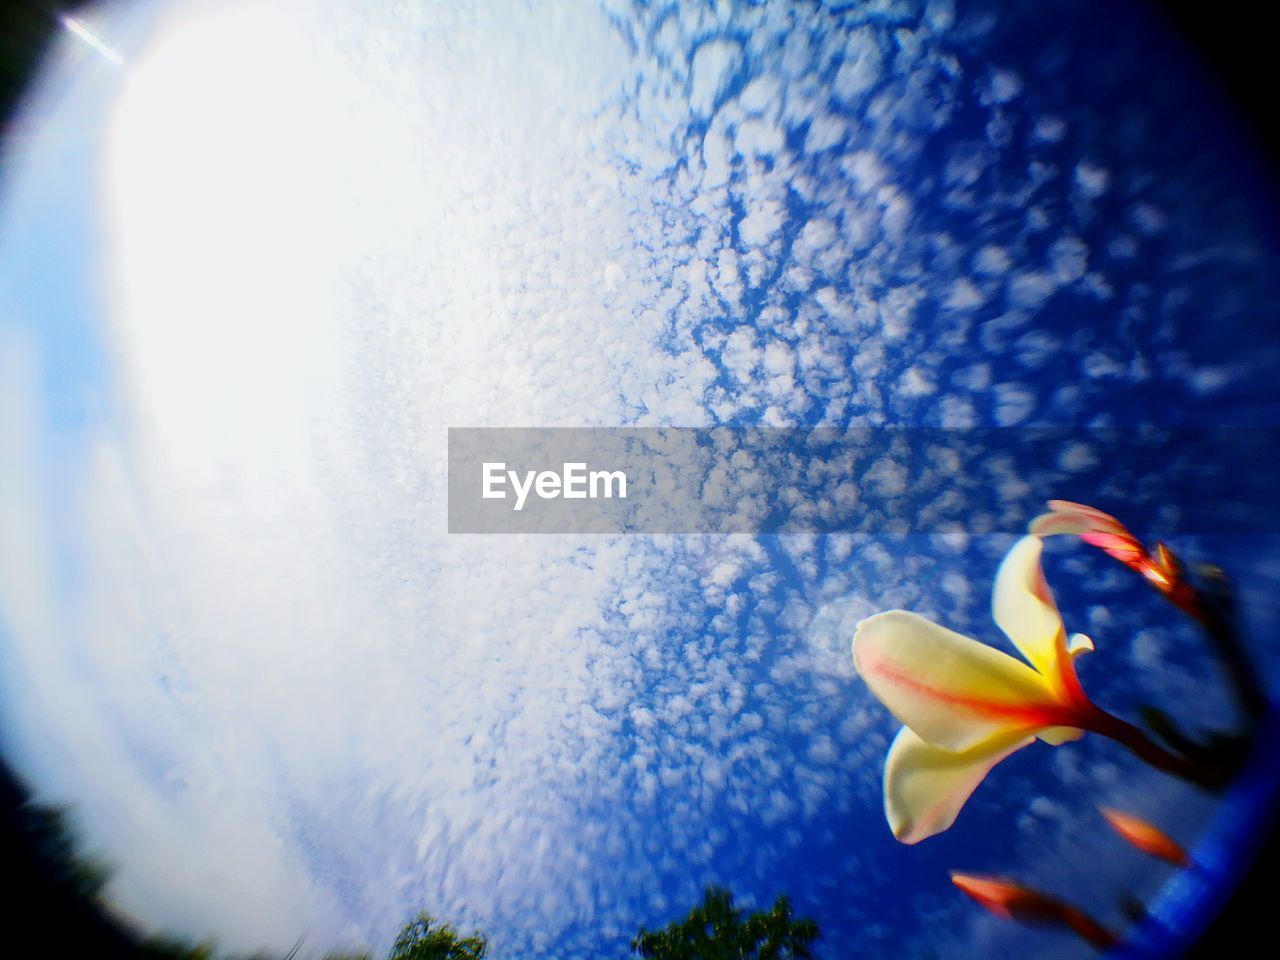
(85, 34)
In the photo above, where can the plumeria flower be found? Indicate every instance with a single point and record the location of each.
(1145, 836)
(965, 706)
(1014, 902)
(1159, 567)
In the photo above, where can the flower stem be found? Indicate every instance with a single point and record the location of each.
(1217, 614)
(1125, 733)
(1089, 929)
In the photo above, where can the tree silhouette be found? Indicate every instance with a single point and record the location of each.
(54, 840)
(426, 939)
(715, 930)
(163, 947)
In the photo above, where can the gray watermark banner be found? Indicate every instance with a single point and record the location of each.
(893, 480)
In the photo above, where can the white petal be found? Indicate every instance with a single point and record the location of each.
(924, 787)
(1024, 609)
(954, 692)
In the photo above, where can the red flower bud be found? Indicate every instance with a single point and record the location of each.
(1161, 569)
(1145, 836)
(1015, 902)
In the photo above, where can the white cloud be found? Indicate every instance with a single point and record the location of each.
(1002, 86)
(1092, 180)
(915, 382)
(825, 131)
(1069, 259)
(763, 220)
(713, 66)
(1014, 404)
(1050, 129)
(761, 95)
(756, 138)
(860, 68)
(1031, 288)
(993, 260)
(1078, 457)
(963, 295)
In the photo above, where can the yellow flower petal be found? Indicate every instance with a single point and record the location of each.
(954, 692)
(1057, 736)
(924, 787)
(1024, 609)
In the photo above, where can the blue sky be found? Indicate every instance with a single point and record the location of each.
(250, 277)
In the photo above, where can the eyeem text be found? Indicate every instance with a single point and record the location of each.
(573, 482)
